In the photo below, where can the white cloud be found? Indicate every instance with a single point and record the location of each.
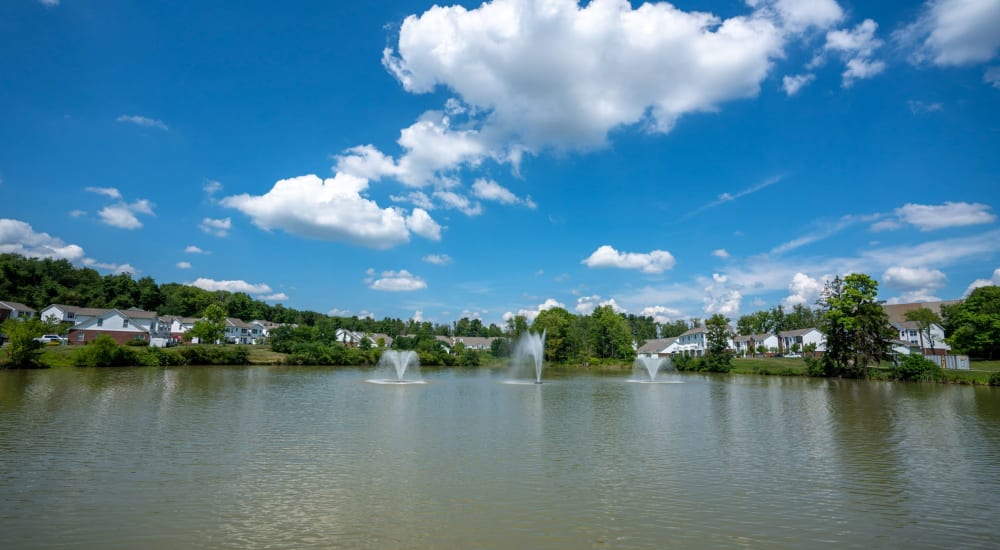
(656, 261)
(332, 209)
(992, 76)
(803, 290)
(339, 312)
(729, 197)
(920, 107)
(417, 198)
(49, 3)
(726, 302)
(276, 297)
(396, 281)
(117, 269)
(953, 32)
(979, 283)
(365, 314)
(418, 316)
(798, 15)
(913, 278)
(950, 214)
(857, 48)
(437, 259)
(421, 223)
(563, 75)
(489, 190)
(913, 296)
(143, 121)
(77, 213)
(792, 84)
(183, 265)
(218, 227)
(720, 253)
(192, 249)
(824, 230)
(458, 202)
(18, 237)
(661, 314)
(110, 192)
(585, 305)
(211, 187)
(530, 314)
(231, 286)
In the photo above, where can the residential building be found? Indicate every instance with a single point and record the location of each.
(749, 344)
(123, 326)
(659, 347)
(909, 332)
(14, 310)
(802, 337)
(61, 313)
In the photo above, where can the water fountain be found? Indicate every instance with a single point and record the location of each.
(645, 369)
(395, 364)
(529, 351)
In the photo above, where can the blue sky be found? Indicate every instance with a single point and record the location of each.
(405, 160)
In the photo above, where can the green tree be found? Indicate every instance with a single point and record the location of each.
(212, 328)
(557, 324)
(758, 322)
(610, 335)
(924, 318)
(718, 357)
(22, 348)
(973, 326)
(857, 328)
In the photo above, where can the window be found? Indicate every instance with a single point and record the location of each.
(913, 333)
(100, 322)
(80, 336)
(124, 323)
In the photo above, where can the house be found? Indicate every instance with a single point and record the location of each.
(749, 344)
(239, 331)
(123, 326)
(180, 325)
(349, 338)
(897, 312)
(14, 310)
(266, 326)
(478, 343)
(802, 337)
(909, 332)
(659, 347)
(694, 342)
(380, 340)
(59, 313)
(899, 347)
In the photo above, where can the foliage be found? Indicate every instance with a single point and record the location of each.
(718, 357)
(561, 343)
(815, 367)
(610, 336)
(103, 351)
(213, 355)
(22, 348)
(915, 367)
(856, 327)
(973, 326)
(685, 363)
(994, 379)
(924, 318)
(211, 328)
(501, 347)
(777, 319)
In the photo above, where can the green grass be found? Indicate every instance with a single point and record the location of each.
(984, 366)
(781, 366)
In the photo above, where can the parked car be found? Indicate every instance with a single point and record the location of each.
(793, 355)
(52, 339)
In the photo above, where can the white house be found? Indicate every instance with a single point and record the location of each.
(695, 341)
(123, 326)
(749, 344)
(659, 347)
(802, 337)
(60, 313)
(239, 331)
(14, 310)
(909, 332)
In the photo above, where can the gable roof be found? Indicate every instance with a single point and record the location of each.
(897, 312)
(75, 310)
(15, 306)
(656, 345)
(695, 330)
(799, 332)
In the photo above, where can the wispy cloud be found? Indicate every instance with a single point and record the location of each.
(729, 197)
(217, 227)
(145, 122)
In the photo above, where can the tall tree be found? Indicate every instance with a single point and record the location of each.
(973, 326)
(557, 324)
(610, 334)
(717, 331)
(857, 328)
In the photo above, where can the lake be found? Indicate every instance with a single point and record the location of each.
(275, 457)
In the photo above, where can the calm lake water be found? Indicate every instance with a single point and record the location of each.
(271, 457)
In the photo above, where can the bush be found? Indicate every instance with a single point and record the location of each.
(995, 379)
(686, 363)
(916, 368)
(814, 367)
(137, 343)
(103, 351)
(214, 355)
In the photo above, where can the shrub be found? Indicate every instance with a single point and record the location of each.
(916, 368)
(686, 363)
(215, 355)
(137, 343)
(995, 379)
(814, 367)
(103, 351)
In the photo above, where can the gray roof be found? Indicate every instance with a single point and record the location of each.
(15, 306)
(657, 345)
(799, 332)
(89, 311)
(694, 330)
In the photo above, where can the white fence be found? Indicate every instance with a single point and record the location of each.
(954, 362)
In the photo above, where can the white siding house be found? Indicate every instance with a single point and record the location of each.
(123, 326)
(909, 331)
(660, 347)
(802, 337)
(60, 313)
(14, 310)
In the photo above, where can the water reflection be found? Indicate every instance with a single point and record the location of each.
(263, 457)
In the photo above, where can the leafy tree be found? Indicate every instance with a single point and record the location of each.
(759, 322)
(718, 357)
(557, 324)
(924, 318)
(857, 328)
(610, 334)
(674, 329)
(212, 328)
(500, 347)
(516, 326)
(22, 348)
(974, 324)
